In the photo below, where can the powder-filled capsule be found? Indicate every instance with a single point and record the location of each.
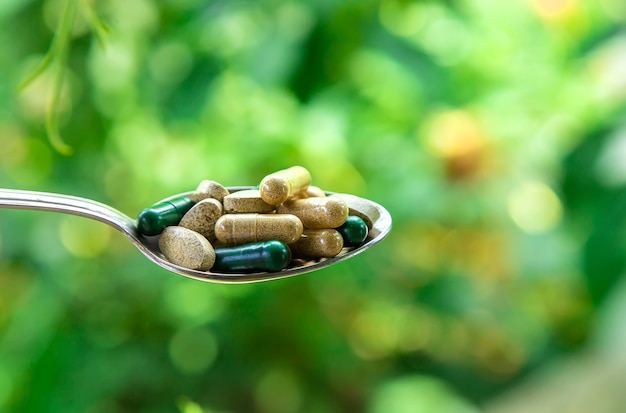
(271, 256)
(361, 208)
(246, 201)
(317, 243)
(354, 231)
(309, 192)
(280, 186)
(316, 212)
(246, 228)
(154, 219)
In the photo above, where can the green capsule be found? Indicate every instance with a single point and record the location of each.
(353, 231)
(270, 256)
(154, 219)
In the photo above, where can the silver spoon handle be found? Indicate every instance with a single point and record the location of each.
(66, 204)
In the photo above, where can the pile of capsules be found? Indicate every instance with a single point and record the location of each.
(284, 222)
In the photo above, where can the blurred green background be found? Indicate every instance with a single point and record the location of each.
(493, 131)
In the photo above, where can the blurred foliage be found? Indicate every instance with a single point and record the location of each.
(494, 133)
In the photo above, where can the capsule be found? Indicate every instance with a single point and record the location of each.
(246, 228)
(280, 186)
(154, 219)
(246, 201)
(317, 243)
(309, 192)
(361, 208)
(271, 256)
(354, 231)
(316, 212)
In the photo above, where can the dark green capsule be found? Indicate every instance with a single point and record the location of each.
(270, 256)
(353, 231)
(154, 219)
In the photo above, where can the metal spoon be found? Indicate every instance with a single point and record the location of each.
(42, 201)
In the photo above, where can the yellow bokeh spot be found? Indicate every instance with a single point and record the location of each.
(374, 332)
(453, 133)
(534, 207)
(83, 237)
(553, 9)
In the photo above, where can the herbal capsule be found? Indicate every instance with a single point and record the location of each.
(202, 217)
(246, 201)
(280, 186)
(361, 208)
(309, 192)
(318, 243)
(245, 228)
(186, 248)
(269, 256)
(209, 189)
(154, 219)
(354, 231)
(316, 212)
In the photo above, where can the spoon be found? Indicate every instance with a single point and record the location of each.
(43, 201)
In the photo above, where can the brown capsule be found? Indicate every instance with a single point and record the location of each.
(209, 189)
(316, 212)
(245, 228)
(309, 192)
(317, 243)
(360, 208)
(202, 217)
(246, 201)
(186, 248)
(280, 186)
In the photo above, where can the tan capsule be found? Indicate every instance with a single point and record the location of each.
(245, 228)
(186, 248)
(317, 243)
(311, 191)
(329, 212)
(209, 189)
(246, 201)
(280, 186)
(360, 208)
(202, 217)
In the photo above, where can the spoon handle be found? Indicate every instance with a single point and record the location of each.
(66, 204)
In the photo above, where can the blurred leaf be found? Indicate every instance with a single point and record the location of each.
(417, 394)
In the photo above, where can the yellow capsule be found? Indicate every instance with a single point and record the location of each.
(317, 243)
(280, 186)
(316, 212)
(245, 228)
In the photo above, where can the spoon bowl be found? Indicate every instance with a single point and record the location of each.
(148, 245)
